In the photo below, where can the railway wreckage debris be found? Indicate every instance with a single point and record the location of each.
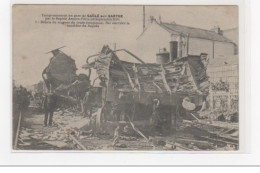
(74, 132)
(133, 106)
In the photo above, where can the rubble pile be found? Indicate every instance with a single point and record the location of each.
(72, 131)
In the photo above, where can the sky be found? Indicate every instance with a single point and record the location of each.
(31, 41)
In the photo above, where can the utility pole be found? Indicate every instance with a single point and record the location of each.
(143, 17)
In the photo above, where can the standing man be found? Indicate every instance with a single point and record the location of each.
(157, 122)
(49, 105)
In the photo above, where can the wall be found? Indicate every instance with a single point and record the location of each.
(223, 49)
(198, 46)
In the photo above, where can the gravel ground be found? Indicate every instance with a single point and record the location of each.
(34, 136)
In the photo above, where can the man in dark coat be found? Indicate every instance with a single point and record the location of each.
(49, 105)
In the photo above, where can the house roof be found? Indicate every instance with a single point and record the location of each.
(231, 29)
(194, 32)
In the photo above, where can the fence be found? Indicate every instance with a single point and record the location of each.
(224, 88)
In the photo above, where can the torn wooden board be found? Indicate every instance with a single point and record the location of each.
(58, 144)
(124, 74)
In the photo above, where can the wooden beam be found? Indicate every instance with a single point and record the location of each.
(226, 126)
(72, 137)
(218, 140)
(137, 80)
(126, 72)
(200, 143)
(195, 117)
(157, 86)
(164, 80)
(185, 148)
(192, 77)
(138, 131)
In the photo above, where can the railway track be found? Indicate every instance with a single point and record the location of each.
(30, 138)
(17, 131)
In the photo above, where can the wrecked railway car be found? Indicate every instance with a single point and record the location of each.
(61, 70)
(141, 84)
(60, 77)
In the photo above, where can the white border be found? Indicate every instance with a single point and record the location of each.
(135, 158)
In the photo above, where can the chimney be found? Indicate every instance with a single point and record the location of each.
(217, 30)
(173, 50)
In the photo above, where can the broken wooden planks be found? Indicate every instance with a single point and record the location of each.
(165, 81)
(218, 140)
(138, 131)
(72, 137)
(219, 124)
(185, 148)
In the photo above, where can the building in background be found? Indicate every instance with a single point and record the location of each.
(193, 41)
(221, 47)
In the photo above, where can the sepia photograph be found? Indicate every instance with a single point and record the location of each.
(125, 78)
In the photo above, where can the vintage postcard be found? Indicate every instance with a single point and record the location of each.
(125, 78)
